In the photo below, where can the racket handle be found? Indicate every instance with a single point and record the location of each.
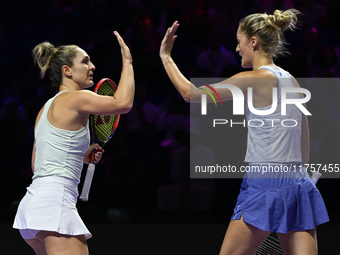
(87, 183)
(315, 177)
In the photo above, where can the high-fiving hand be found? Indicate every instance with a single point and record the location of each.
(126, 55)
(168, 41)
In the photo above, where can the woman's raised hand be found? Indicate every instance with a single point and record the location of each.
(126, 55)
(168, 41)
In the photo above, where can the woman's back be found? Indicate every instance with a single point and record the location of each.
(59, 151)
(272, 136)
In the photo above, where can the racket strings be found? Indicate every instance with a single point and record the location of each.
(105, 125)
(106, 89)
(271, 246)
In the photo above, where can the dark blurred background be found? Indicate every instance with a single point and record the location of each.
(143, 177)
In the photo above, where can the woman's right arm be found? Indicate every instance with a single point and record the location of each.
(181, 83)
(122, 101)
(189, 91)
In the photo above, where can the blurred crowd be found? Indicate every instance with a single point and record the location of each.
(144, 173)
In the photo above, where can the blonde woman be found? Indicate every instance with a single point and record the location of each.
(286, 203)
(47, 216)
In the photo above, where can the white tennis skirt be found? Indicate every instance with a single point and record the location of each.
(50, 204)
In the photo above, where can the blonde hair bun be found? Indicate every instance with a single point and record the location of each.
(269, 29)
(286, 20)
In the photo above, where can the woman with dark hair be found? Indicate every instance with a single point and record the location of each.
(285, 202)
(47, 216)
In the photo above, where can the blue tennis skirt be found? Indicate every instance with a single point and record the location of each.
(280, 200)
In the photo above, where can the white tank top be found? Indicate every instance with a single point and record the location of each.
(59, 152)
(272, 142)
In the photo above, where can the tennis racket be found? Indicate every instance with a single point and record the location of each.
(103, 128)
(271, 246)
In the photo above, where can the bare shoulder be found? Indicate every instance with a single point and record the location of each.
(255, 78)
(295, 82)
(39, 115)
(74, 99)
(77, 96)
(88, 102)
(297, 85)
(84, 93)
(261, 73)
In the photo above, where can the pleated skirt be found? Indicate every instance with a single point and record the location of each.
(50, 204)
(280, 201)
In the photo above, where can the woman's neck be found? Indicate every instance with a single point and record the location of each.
(262, 60)
(71, 86)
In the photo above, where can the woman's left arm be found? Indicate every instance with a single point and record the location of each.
(33, 157)
(304, 131)
(304, 139)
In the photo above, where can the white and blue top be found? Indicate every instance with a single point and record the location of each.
(59, 152)
(275, 138)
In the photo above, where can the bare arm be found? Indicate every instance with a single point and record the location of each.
(33, 150)
(33, 157)
(181, 83)
(189, 91)
(126, 86)
(122, 101)
(97, 156)
(305, 139)
(304, 131)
